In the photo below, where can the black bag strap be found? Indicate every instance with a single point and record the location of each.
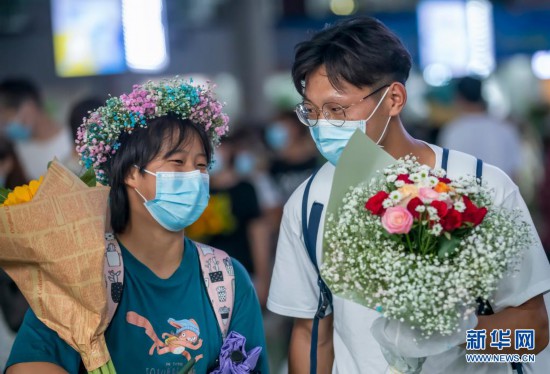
(310, 230)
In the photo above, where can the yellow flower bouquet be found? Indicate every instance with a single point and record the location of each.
(52, 245)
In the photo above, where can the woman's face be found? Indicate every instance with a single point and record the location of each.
(189, 157)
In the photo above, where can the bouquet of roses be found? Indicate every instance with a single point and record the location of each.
(421, 249)
(414, 242)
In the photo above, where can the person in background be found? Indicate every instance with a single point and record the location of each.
(12, 303)
(252, 163)
(479, 133)
(234, 218)
(295, 154)
(11, 172)
(77, 113)
(37, 138)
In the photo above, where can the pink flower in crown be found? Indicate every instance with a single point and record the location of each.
(427, 195)
(397, 220)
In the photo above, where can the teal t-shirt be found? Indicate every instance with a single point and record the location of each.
(154, 310)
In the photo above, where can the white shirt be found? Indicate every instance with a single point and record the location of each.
(35, 155)
(294, 291)
(488, 138)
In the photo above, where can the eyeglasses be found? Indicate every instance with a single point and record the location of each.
(334, 113)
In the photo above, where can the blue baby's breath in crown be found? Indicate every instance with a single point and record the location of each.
(98, 136)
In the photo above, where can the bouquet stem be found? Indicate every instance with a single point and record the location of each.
(188, 366)
(107, 368)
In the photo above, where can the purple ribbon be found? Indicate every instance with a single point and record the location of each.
(233, 357)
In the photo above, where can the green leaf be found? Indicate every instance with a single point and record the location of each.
(447, 246)
(89, 178)
(4, 192)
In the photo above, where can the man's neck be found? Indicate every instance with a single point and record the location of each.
(158, 249)
(399, 143)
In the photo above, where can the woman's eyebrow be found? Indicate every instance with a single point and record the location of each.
(182, 152)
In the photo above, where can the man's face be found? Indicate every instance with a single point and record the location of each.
(319, 91)
(6, 116)
(26, 114)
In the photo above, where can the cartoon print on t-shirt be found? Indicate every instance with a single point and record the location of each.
(185, 337)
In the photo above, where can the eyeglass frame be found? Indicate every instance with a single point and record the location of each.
(343, 108)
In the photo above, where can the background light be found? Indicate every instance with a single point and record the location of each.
(144, 34)
(540, 63)
(342, 7)
(457, 34)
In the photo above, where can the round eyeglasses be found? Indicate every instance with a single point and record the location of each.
(334, 113)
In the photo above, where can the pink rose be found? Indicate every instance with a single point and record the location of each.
(397, 220)
(427, 195)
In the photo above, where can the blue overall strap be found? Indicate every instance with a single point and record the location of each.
(310, 229)
(479, 170)
(484, 307)
(445, 159)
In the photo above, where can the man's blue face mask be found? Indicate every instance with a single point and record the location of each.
(331, 140)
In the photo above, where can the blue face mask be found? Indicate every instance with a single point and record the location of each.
(244, 163)
(276, 136)
(331, 140)
(180, 199)
(16, 131)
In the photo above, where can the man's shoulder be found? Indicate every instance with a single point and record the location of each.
(462, 164)
(319, 191)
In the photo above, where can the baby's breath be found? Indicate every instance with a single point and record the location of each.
(362, 262)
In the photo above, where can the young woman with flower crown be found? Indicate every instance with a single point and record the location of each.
(153, 148)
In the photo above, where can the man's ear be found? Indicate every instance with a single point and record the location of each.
(131, 177)
(398, 97)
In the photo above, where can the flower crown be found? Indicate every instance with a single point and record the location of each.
(98, 138)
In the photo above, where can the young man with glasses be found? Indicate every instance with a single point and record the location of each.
(352, 75)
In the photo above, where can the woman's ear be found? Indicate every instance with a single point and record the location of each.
(398, 97)
(132, 177)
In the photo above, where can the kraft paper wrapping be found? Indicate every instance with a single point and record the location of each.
(53, 248)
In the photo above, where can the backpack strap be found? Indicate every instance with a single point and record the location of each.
(113, 272)
(310, 229)
(219, 279)
(220, 283)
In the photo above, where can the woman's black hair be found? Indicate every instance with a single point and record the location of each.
(360, 51)
(140, 148)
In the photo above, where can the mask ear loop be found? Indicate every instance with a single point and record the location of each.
(378, 105)
(139, 193)
(383, 133)
(147, 171)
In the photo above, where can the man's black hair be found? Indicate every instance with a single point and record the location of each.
(360, 51)
(14, 92)
(140, 148)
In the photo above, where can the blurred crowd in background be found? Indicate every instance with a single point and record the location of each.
(481, 85)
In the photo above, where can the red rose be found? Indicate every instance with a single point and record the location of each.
(404, 178)
(472, 213)
(452, 220)
(444, 180)
(374, 204)
(411, 206)
(441, 207)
